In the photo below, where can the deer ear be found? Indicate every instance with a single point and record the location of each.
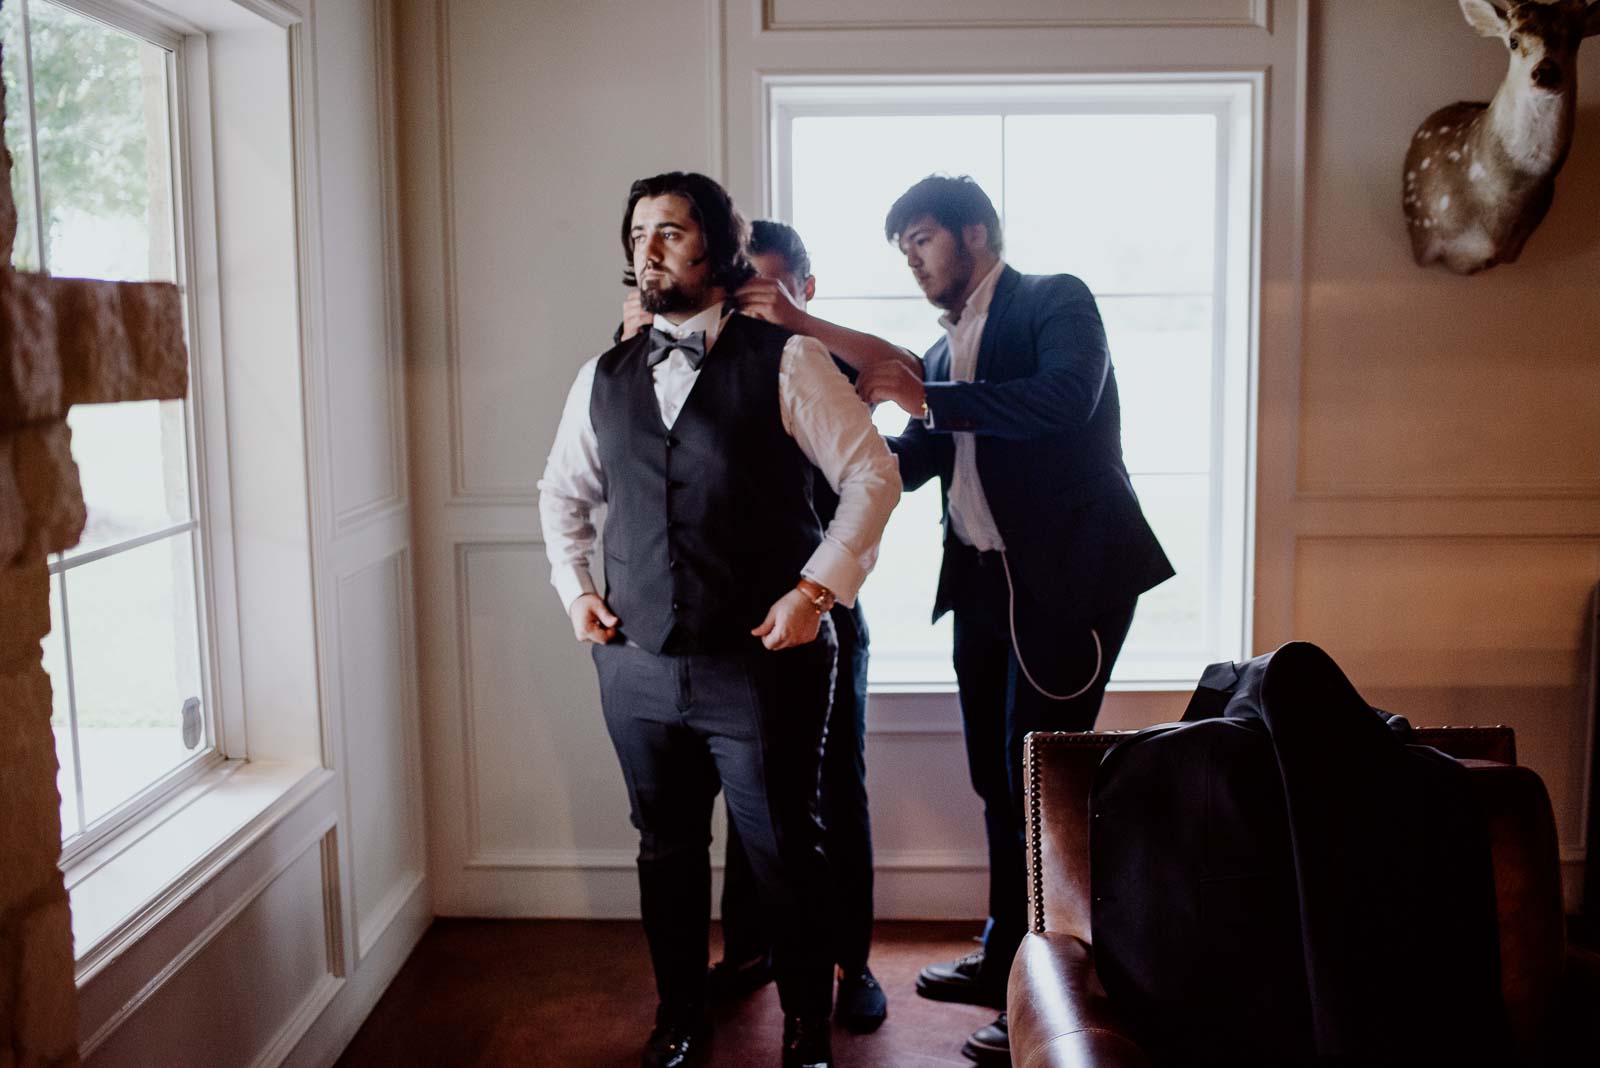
(1591, 20)
(1484, 17)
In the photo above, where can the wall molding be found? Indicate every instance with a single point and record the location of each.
(398, 563)
(397, 495)
(1254, 15)
(462, 604)
(884, 860)
(371, 930)
(461, 489)
(1582, 489)
(295, 1028)
(318, 839)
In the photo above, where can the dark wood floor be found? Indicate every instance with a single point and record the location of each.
(576, 994)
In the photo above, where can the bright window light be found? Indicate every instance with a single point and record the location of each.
(1142, 187)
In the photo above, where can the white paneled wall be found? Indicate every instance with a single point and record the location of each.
(524, 126)
(276, 951)
(1428, 484)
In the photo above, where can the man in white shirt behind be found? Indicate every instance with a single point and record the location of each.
(712, 642)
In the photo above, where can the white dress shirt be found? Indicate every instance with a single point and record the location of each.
(970, 518)
(820, 410)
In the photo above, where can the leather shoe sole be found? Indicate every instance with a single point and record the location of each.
(966, 992)
(990, 1045)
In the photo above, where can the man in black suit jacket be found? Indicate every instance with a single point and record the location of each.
(1046, 549)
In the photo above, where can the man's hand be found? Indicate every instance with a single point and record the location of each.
(634, 317)
(791, 621)
(765, 298)
(894, 382)
(592, 621)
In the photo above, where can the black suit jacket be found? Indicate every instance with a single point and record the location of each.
(1043, 403)
(1284, 872)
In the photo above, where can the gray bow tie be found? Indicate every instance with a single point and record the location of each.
(661, 343)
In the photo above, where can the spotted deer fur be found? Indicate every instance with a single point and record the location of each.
(1479, 178)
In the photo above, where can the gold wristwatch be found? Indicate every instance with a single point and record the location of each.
(820, 596)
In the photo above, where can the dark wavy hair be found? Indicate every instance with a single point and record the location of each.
(769, 235)
(954, 202)
(724, 228)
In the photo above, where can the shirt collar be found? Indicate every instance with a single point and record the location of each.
(710, 320)
(978, 303)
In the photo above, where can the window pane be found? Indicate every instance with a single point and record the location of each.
(1161, 349)
(1171, 623)
(100, 101)
(133, 461)
(25, 253)
(898, 595)
(55, 662)
(135, 661)
(847, 172)
(911, 323)
(1126, 202)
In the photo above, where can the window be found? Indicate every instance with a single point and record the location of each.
(90, 122)
(1141, 187)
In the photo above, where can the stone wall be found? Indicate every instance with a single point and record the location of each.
(62, 342)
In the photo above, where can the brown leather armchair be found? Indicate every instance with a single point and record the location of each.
(1059, 1012)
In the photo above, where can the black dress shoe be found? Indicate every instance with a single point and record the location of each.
(728, 981)
(861, 1005)
(679, 1039)
(806, 1042)
(990, 1045)
(962, 980)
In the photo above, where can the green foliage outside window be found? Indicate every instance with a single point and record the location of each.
(88, 98)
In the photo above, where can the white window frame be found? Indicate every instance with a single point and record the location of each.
(195, 256)
(248, 189)
(1236, 98)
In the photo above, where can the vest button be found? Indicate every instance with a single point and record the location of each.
(677, 606)
(672, 564)
(671, 441)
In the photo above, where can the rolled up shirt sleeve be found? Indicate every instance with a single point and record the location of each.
(833, 428)
(572, 487)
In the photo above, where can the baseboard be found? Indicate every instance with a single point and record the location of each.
(933, 885)
(338, 1023)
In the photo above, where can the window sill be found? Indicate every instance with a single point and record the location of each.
(128, 884)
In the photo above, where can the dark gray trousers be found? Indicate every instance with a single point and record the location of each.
(752, 723)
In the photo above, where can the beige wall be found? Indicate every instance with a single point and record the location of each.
(1429, 470)
(1448, 526)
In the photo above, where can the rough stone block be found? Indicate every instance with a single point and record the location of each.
(46, 479)
(120, 341)
(30, 371)
(30, 833)
(24, 616)
(13, 516)
(10, 955)
(8, 231)
(46, 1026)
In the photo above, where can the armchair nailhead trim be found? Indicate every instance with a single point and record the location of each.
(1035, 829)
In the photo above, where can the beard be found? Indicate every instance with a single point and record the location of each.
(960, 278)
(667, 297)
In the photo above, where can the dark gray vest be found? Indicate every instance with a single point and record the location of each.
(709, 523)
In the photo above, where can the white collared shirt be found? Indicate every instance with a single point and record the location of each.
(970, 518)
(820, 410)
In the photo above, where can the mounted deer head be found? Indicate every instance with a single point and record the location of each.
(1479, 178)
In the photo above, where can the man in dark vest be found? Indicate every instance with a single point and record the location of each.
(712, 643)
(1046, 549)
(778, 294)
